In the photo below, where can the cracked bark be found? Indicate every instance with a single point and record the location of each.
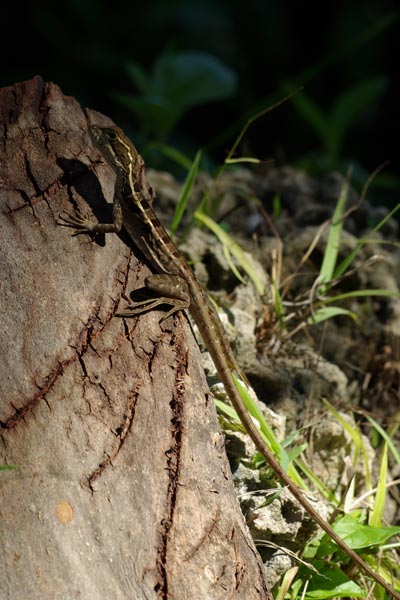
(121, 488)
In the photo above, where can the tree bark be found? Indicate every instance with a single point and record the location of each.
(121, 488)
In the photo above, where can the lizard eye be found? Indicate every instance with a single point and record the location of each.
(112, 136)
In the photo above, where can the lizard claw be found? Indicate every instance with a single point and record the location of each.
(80, 222)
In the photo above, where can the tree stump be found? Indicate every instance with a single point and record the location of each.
(121, 487)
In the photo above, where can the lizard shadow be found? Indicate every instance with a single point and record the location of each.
(78, 177)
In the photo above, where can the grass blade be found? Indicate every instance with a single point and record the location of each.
(333, 243)
(375, 519)
(230, 247)
(185, 193)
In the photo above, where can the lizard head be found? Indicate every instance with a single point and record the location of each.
(113, 144)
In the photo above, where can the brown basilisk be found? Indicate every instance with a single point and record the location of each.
(176, 286)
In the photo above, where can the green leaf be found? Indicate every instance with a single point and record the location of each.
(266, 430)
(154, 114)
(276, 206)
(316, 481)
(341, 590)
(230, 247)
(333, 243)
(355, 434)
(268, 434)
(332, 127)
(172, 153)
(185, 192)
(375, 519)
(227, 410)
(192, 78)
(242, 159)
(387, 439)
(346, 262)
(361, 294)
(278, 304)
(313, 115)
(138, 75)
(177, 82)
(328, 312)
(359, 536)
(331, 582)
(349, 105)
(295, 452)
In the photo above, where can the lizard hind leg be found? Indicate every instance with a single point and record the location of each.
(172, 290)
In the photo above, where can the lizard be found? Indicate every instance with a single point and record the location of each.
(176, 286)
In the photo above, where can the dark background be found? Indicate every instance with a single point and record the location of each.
(85, 45)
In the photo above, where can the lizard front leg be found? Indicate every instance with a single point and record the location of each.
(171, 289)
(84, 224)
